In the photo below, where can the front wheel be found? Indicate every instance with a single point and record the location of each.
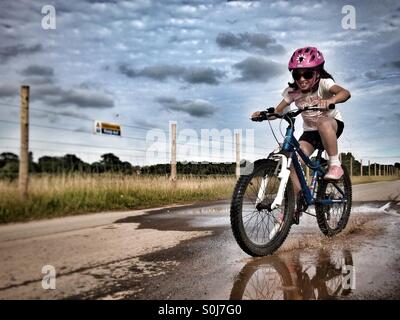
(257, 230)
(332, 218)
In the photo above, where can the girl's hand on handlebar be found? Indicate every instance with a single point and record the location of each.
(325, 103)
(262, 115)
(258, 116)
(255, 114)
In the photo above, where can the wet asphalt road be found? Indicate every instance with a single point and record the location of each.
(189, 253)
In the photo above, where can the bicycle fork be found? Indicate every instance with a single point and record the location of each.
(283, 176)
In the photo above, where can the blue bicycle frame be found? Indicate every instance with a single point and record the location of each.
(292, 146)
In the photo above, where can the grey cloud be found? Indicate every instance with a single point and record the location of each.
(396, 64)
(257, 69)
(252, 42)
(163, 72)
(16, 50)
(37, 70)
(350, 79)
(391, 64)
(142, 122)
(196, 108)
(6, 26)
(101, 1)
(84, 98)
(203, 75)
(48, 90)
(38, 80)
(8, 91)
(373, 75)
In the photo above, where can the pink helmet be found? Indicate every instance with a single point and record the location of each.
(307, 57)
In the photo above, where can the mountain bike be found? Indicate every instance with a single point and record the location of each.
(263, 202)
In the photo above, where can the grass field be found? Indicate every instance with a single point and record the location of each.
(53, 196)
(366, 179)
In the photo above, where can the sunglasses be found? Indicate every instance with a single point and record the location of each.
(305, 74)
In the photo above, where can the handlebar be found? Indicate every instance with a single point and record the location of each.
(264, 115)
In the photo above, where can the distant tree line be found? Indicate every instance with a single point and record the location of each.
(192, 168)
(70, 163)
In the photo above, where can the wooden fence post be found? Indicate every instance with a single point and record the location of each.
(173, 152)
(23, 178)
(237, 138)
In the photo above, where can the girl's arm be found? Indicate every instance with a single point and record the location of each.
(281, 106)
(340, 95)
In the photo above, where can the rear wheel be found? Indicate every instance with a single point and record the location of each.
(257, 230)
(333, 218)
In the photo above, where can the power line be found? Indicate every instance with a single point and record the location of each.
(69, 130)
(79, 144)
(128, 137)
(86, 119)
(78, 117)
(33, 148)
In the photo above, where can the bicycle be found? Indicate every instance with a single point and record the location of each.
(263, 202)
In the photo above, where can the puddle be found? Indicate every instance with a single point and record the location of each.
(210, 222)
(308, 266)
(196, 218)
(376, 207)
(304, 275)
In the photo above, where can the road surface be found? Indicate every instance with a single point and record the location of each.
(188, 252)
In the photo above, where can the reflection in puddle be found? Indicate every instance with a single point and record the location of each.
(327, 275)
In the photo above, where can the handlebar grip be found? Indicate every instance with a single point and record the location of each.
(261, 117)
(331, 106)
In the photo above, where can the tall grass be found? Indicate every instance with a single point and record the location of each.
(52, 196)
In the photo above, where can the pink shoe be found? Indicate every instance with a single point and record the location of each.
(334, 173)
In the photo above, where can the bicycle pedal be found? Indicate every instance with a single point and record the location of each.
(296, 217)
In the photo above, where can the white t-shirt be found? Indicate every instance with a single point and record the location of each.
(311, 118)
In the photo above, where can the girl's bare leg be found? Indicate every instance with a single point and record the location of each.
(327, 130)
(308, 149)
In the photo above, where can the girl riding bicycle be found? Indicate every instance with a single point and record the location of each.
(313, 85)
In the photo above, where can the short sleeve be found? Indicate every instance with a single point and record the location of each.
(286, 96)
(327, 84)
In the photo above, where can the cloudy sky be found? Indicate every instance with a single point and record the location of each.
(204, 64)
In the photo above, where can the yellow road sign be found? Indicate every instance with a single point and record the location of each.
(108, 128)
